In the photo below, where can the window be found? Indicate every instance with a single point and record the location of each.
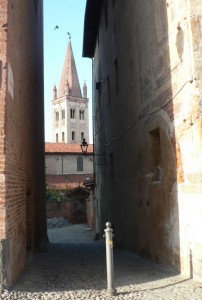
(57, 115)
(79, 164)
(63, 114)
(56, 138)
(63, 136)
(73, 135)
(82, 136)
(72, 113)
(81, 114)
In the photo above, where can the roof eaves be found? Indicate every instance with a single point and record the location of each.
(91, 25)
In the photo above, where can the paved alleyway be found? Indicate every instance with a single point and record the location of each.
(74, 268)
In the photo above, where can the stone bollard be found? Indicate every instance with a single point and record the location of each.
(109, 258)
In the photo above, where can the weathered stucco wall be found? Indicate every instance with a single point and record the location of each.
(23, 221)
(190, 140)
(67, 164)
(148, 105)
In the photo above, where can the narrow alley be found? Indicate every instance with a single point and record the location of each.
(74, 268)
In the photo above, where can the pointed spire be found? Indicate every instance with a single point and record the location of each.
(69, 74)
(84, 90)
(54, 92)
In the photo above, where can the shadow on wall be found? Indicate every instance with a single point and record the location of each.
(146, 173)
(158, 211)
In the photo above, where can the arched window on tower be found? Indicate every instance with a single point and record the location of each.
(63, 136)
(72, 113)
(56, 137)
(79, 163)
(73, 135)
(56, 115)
(82, 136)
(81, 114)
(63, 114)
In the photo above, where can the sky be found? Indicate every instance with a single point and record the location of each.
(68, 15)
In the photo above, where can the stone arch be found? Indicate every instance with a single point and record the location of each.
(158, 201)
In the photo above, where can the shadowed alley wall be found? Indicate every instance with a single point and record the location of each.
(148, 125)
(22, 184)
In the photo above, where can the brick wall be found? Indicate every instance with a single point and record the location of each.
(66, 210)
(3, 59)
(22, 210)
(57, 210)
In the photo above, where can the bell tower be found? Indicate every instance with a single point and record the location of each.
(69, 107)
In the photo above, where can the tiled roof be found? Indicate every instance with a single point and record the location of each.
(63, 182)
(65, 148)
(76, 189)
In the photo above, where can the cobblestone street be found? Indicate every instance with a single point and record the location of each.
(74, 268)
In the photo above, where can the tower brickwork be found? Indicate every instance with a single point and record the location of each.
(70, 108)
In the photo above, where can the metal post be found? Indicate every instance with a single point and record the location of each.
(109, 258)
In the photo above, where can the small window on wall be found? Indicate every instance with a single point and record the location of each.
(57, 115)
(63, 114)
(63, 136)
(73, 135)
(72, 113)
(56, 137)
(79, 164)
(82, 136)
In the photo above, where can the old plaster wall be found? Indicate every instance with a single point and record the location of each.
(149, 108)
(67, 164)
(190, 143)
(23, 221)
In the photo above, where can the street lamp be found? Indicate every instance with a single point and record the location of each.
(84, 146)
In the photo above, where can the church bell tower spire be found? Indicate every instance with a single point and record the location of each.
(70, 109)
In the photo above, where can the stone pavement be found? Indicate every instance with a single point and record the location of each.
(74, 269)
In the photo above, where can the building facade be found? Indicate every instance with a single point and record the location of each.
(66, 166)
(22, 180)
(147, 101)
(67, 169)
(70, 107)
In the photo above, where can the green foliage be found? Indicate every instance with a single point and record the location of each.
(54, 195)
